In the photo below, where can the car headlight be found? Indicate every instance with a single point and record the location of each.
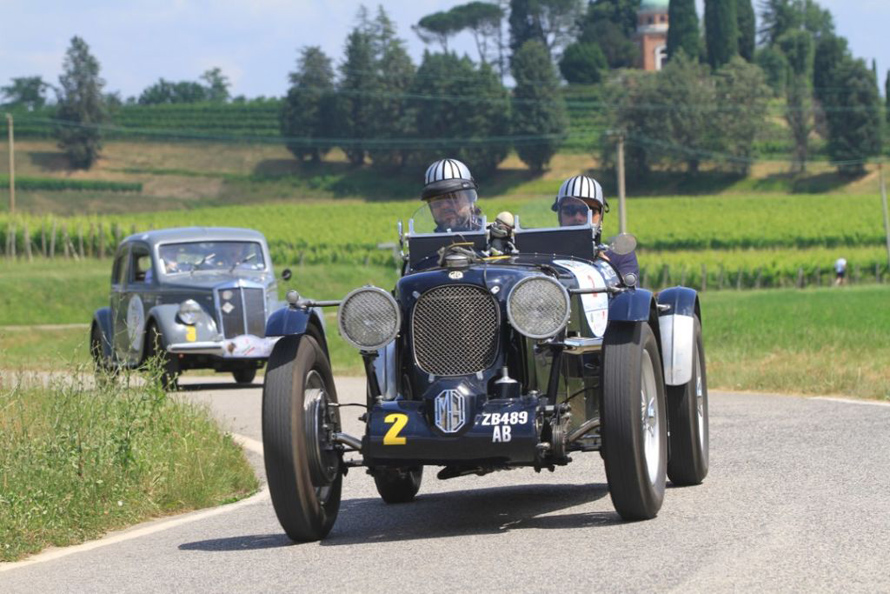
(369, 318)
(189, 311)
(538, 307)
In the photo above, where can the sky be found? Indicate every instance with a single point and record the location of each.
(256, 42)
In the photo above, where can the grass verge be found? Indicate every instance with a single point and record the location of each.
(79, 460)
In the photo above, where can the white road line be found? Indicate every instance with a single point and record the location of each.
(154, 526)
(850, 401)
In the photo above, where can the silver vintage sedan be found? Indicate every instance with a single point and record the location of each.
(198, 296)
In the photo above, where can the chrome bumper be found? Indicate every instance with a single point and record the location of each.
(245, 346)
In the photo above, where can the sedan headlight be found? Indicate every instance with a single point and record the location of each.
(189, 311)
(369, 318)
(538, 307)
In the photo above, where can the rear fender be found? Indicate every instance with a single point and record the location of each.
(678, 308)
(102, 319)
(631, 306)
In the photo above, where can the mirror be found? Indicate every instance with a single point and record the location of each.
(286, 274)
(623, 244)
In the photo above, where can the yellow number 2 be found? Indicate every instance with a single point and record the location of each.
(398, 421)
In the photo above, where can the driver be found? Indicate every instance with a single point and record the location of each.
(580, 195)
(450, 192)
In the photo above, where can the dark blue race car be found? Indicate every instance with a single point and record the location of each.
(479, 362)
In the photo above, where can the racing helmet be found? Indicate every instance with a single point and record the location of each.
(583, 188)
(450, 191)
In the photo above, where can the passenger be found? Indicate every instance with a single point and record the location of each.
(579, 195)
(450, 191)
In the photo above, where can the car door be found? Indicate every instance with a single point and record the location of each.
(119, 302)
(138, 297)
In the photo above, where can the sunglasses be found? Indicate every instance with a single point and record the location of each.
(577, 209)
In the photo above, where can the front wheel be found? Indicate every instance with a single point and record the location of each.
(688, 413)
(244, 376)
(398, 485)
(168, 364)
(634, 426)
(302, 462)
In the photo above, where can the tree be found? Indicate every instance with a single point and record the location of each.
(27, 91)
(620, 51)
(438, 28)
(777, 17)
(552, 22)
(747, 29)
(775, 68)
(539, 111)
(622, 13)
(683, 32)
(355, 104)
(217, 85)
(483, 21)
(583, 63)
(721, 31)
(887, 96)
(797, 45)
(306, 114)
(81, 105)
(460, 111)
(830, 54)
(164, 92)
(854, 123)
(392, 117)
(742, 96)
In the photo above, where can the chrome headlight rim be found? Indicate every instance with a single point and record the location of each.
(565, 318)
(189, 312)
(389, 337)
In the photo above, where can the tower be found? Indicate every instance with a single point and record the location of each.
(651, 36)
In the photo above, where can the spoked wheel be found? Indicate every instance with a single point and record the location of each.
(244, 376)
(634, 421)
(398, 485)
(688, 413)
(303, 466)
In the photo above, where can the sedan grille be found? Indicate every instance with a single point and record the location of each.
(242, 311)
(455, 330)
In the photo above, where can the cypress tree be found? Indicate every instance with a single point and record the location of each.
(683, 32)
(747, 29)
(524, 24)
(306, 112)
(81, 105)
(887, 96)
(854, 126)
(355, 103)
(539, 112)
(721, 31)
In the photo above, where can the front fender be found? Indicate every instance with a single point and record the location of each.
(102, 319)
(175, 332)
(290, 321)
(678, 308)
(631, 306)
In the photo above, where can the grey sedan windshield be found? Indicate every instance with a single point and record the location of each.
(211, 255)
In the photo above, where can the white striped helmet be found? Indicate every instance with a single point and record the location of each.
(447, 175)
(582, 187)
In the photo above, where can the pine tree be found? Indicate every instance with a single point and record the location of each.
(307, 114)
(539, 112)
(355, 95)
(683, 32)
(747, 29)
(81, 106)
(721, 31)
(854, 126)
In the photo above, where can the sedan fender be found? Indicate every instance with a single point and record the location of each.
(166, 317)
(102, 320)
(677, 309)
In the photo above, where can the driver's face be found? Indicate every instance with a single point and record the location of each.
(573, 211)
(451, 210)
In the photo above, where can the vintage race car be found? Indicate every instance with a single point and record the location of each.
(478, 363)
(199, 297)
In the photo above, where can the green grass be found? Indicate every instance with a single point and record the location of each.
(79, 461)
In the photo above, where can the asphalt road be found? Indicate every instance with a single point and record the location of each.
(798, 498)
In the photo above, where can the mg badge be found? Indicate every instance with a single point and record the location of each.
(455, 275)
(450, 413)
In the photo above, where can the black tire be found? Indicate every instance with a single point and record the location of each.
(302, 466)
(398, 485)
(97, 351)
(633, 395)
(244, 376)
(156, 347)
(688, 415)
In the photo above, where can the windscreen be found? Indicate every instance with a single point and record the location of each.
(215, 256)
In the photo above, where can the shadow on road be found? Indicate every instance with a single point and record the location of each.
(218, 387)
(239, 543)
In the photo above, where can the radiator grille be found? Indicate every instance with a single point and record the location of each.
(455, 330)
(242, 311)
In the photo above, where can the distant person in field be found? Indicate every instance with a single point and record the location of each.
(840, 271)
(580, 195)
(450, 192)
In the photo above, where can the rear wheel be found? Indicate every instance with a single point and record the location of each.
(398, 485)
(169, 365)
(244, 376)
(302, 463)
(634, 425)
(688, 413)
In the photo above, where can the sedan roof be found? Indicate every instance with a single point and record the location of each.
(188, 234)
